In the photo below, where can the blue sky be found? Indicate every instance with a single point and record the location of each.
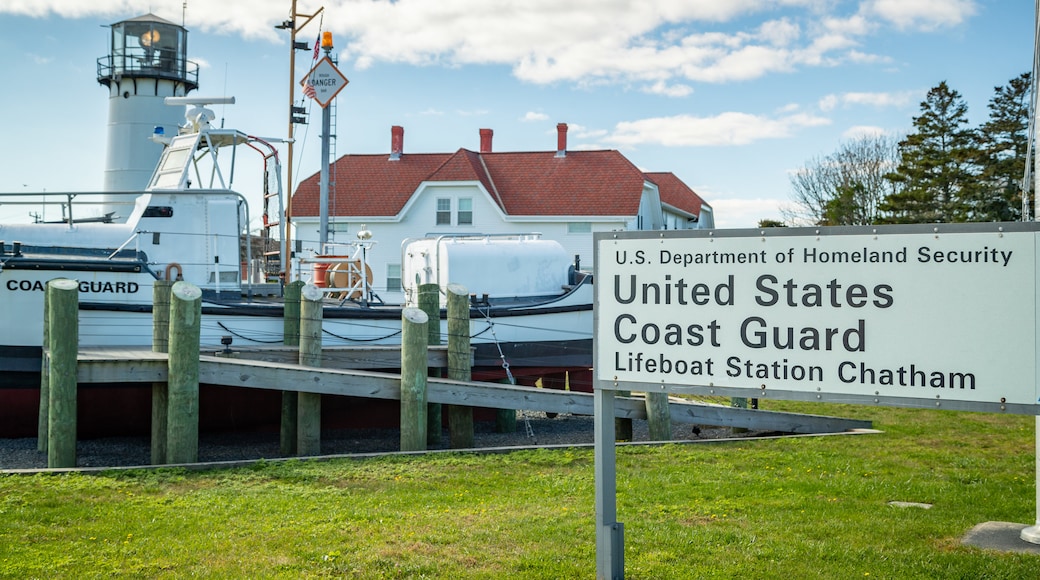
(731, 96)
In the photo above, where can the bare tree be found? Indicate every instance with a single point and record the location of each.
(845, 187)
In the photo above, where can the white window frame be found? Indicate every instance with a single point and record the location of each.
(461, 212)
(442, 212)
(390, 268)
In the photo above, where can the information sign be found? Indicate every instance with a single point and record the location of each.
(939, 316)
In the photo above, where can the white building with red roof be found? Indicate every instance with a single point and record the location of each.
(563, 195)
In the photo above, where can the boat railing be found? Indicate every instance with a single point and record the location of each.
(66, 200)
(520, 236)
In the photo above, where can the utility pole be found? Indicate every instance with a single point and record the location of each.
(292, 26)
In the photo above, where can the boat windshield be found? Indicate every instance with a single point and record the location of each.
(173, 166)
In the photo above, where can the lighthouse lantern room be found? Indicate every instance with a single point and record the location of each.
(147, 62)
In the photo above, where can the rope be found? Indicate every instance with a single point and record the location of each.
(505, 366)
(392, 334)
(243, 337)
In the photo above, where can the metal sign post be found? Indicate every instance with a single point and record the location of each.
(323, 83)
(610, 540)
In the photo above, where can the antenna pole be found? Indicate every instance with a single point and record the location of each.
(292, 26)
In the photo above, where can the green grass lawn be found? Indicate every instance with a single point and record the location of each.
(784, 508)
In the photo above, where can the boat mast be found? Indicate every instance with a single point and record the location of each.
(292, 26)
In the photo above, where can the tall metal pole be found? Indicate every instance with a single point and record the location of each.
(1032, 145)
(323, 189)
(291, 25)
(1031, 534)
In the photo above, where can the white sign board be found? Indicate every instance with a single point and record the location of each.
(937, 316)
(327, 81)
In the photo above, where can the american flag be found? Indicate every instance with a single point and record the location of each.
(317, 45)
(308, 89)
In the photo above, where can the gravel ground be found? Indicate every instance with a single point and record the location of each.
(220, 447)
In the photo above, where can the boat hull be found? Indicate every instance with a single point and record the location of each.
(548, 340)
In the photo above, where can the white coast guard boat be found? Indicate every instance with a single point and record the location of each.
(190, 223)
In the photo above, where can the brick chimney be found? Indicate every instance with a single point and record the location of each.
(485, 140)
(561, 139)
(396, 142)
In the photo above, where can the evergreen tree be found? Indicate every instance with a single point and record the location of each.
(937, 169)
(844, 208)
(1003, 141)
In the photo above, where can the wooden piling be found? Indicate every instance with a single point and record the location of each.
(414, 338)
(182, 424)
(308, 412)
(290, 337)
(460, 417)
(45, 387)
(63, 344)
(430, 302)
(659, 416)
(160, 343)
(623, 426)
(505, 420)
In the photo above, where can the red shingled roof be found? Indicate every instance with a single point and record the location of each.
(580, 183)
(592, 183)
(368, 185)
(676, 193)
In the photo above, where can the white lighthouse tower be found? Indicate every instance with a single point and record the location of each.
(147, 62)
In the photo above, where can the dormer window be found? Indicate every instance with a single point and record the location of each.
(465, 211)
(443, 211)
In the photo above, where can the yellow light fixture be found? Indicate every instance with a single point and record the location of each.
(326, 40)
(149, 38)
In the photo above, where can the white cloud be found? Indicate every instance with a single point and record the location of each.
(856, 25)
(660, 45)
(900, 99)
(725, 129)
(744, 213)
(663, 88)
(879, 100)
(248, 18)
(779, 32)
(659, 42)
(923, 14)
(859, 57)
(581, 132)
(39, 59)
(532, 116)
(859, 131)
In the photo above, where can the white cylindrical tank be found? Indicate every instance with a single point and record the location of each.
(500, 268)
(147, 62)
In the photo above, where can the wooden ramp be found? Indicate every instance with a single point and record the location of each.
(131, 365)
